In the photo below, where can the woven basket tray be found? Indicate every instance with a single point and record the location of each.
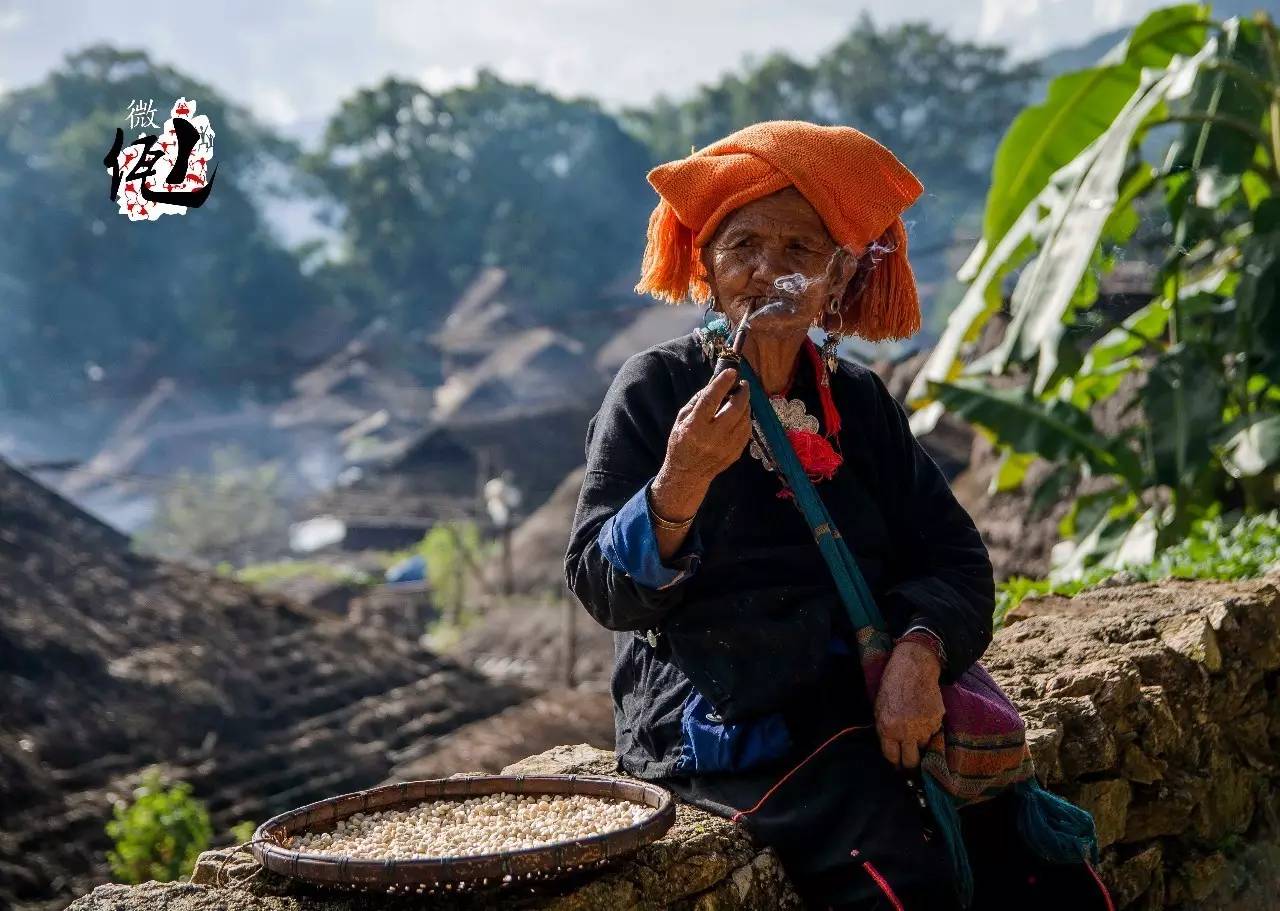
(464, 872)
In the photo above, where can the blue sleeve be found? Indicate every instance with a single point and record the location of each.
(628, 541)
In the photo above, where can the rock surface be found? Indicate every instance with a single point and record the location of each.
(1156, 705)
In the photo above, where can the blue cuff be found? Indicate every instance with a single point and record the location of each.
(627, 540)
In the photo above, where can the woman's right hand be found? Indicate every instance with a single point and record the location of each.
(708, 436)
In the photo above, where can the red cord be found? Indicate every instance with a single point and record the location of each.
(880, 881)
(1101, 886)
(796, 768)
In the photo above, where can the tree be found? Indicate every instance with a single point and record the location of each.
(1069, 182)
(453, 551)
(225, 513)
(433, 186)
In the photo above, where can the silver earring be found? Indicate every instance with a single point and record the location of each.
(831, 344)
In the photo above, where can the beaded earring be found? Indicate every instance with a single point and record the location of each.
(713, 332)
(709, 314)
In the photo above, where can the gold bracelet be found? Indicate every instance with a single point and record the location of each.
(666, 524)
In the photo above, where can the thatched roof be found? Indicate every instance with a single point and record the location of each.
(651, 326)
(535, 370)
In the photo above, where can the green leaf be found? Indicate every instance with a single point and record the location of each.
(1055, 430)
(1220, 91)
(1138, 544)
(981, 301)
(1079, 210)
(1258, 294)
(1087, 511)
(1255, 449)
(1099, 526)
(1183, 401)
(1256, 189)
(1011, 470)
(1172, 30)
(1079, 108)
(1084, 390)
(1043, 141)
(1141, 328)
(1049, 490)
(1124, 218)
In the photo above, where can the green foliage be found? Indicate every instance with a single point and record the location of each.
(243, 831)
(210, 515)
(435, 185)
(160, 834)
(284, 570)
(454, 552)
(1214, 549)
(1048, 136)
(1068, 188)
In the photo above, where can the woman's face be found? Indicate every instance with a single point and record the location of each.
(777, 235)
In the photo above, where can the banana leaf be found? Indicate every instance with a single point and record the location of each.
(1079, 108)
(1078, 213)
(1221, 150)
(1056, 430)
(1044, 144)
(1183, 397)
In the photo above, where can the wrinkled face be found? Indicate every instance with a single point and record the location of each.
(775, 236)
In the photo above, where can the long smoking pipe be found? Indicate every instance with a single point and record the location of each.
(733, 356)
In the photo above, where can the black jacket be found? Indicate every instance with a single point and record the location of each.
(755, 619)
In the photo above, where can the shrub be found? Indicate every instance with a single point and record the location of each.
(243, 831)
(1213, 550)
(215, 515)
(453, 551)
(159, 835)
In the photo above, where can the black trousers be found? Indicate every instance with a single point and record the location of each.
(852, 831)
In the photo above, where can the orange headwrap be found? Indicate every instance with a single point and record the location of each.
(855, 184)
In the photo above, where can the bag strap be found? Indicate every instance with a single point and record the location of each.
(857, 601)
(853, 589)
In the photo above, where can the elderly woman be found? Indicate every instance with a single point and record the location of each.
(737, 681)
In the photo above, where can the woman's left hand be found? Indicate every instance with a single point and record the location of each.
(909, 706)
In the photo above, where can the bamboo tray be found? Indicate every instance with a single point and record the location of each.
(466, 872)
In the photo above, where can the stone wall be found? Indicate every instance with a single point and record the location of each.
(1157, 706)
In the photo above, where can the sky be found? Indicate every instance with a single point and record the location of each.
(292, 61)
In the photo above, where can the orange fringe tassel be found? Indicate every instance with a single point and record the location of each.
(666, 270)
(889, 305)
